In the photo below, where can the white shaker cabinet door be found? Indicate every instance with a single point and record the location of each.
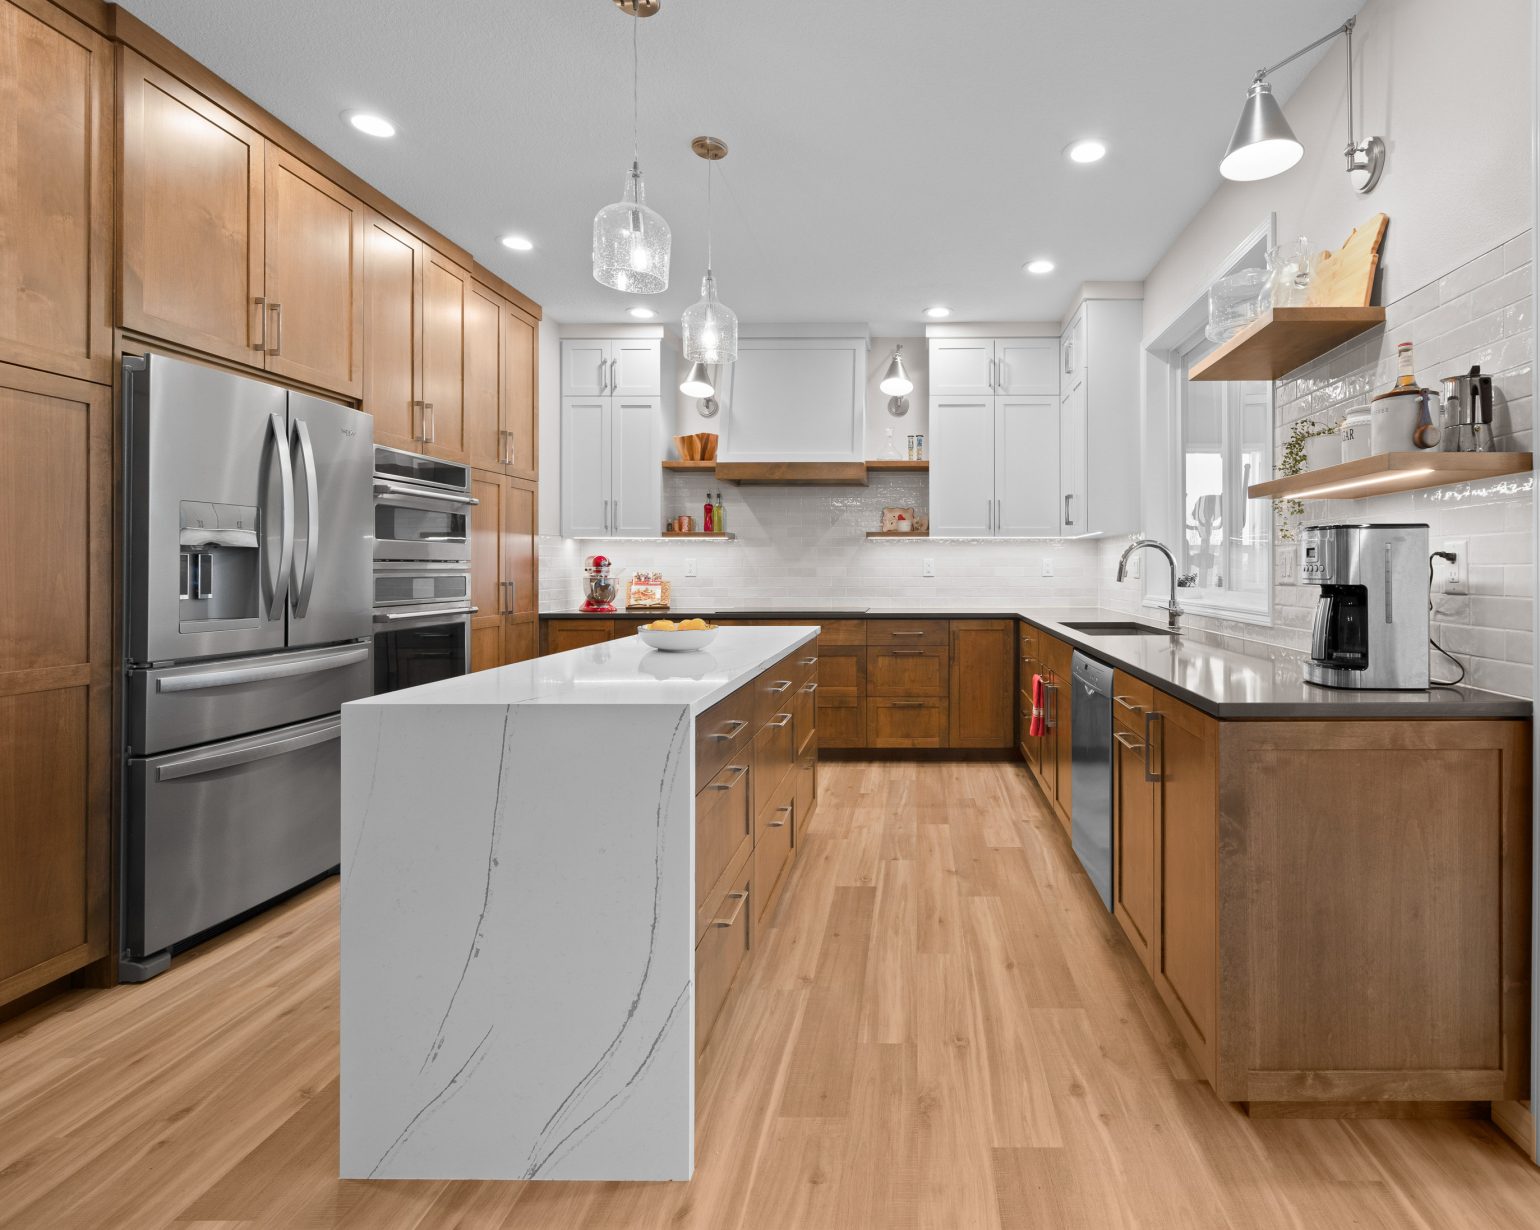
(636, 467)
(1027, 465)
(636, 367)
(585, 466)
(962, 467)
(1027, 366)
(585, 367)
(962, 367)
(1072, 354)
(1073, 513)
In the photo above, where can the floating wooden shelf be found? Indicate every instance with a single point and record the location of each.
(691, 467)
(898, 533)
(887, 466)
(796, 473)
(1388, 472)
(1286, 338)
(695, 534)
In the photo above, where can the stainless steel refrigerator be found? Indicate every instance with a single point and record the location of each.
(248, 562)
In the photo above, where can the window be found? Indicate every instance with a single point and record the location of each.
(1226, 432)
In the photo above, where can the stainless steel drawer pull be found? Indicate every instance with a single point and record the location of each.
(231, 676)
(779, 824)
(907, 653)
(919, 633)
(737, 770)
(907, 704)
(277, 310)
(808, 662)
(1127, 703)
(1127, 740)
(209, 762)
(261, 343)
(810, 688)
(1151, 773)
(740, 899)
(736, 725)
(779, 686)
(784, 718)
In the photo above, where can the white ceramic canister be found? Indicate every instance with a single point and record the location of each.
(1394, 419)
(1354, 434)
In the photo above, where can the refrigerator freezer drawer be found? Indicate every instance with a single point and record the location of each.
(219, 829)
(178, 706)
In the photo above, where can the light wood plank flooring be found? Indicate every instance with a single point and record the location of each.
(941, 1028)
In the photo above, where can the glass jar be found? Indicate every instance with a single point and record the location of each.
(1234, 301)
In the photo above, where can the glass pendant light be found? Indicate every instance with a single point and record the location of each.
(631, 242)
(710, 327)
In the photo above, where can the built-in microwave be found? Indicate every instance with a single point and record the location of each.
(422, 507)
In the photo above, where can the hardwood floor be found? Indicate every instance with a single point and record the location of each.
(943, 1029)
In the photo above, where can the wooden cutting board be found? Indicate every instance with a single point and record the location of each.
(1345, 278)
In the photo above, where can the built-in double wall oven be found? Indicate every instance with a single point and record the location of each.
(422, 581)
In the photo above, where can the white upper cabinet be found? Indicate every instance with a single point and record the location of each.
(613, 437)
(1026, 451)
(1072, 353)
(797, 399)
(992, 367)
(962, 467)
(1026, 366)
(1100, 462)
(1073, 463)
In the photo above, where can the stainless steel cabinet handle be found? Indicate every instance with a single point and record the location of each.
(989, 516)
(779, 686)
(810, 688)
(602, 368)
(807, 661)
(1127, 703)
(1151, 772)
(1389, 589)
(280, 440)
(1069, 348)
(277, 310)
(992, 382)
(261, 342)
(432, 422)
(907, 704)
(784, 719)
(613, 385)
(312, 518)
(420, 423)
(1068, 520)
(1051, 718)
(907, 633)
(737, 770)
(999, 518)
(208, 762)
(233, 676)
(779, 824)
(736, 724)
(741, 898)
(1127, 740)
(906, 653)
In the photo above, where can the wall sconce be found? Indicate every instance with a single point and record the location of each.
(896, 383)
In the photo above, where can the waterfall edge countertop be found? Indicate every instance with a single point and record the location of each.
(518, 915)
(1225, 677)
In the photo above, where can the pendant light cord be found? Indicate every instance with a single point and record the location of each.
(636, 72)
(708, 214)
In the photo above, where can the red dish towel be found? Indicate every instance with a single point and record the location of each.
(1039, 726)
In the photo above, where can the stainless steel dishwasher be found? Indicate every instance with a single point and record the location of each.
(1090, 712)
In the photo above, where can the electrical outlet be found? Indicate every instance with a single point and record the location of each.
(1456, 576)
(927, 567)
(1135, 565)
(1048, 565)
(689, 567)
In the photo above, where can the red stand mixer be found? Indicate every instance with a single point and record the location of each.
(598, 586)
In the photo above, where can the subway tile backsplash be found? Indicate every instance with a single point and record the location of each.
(1480, 313)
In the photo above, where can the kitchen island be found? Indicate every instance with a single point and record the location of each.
(519, 908)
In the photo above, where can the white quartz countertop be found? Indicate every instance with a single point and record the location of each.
(620, 672)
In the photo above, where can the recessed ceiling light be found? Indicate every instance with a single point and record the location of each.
(641, 313)
(936, 313)
(1088, 150)
(370, 124)
(517, 243)
(1040, 265)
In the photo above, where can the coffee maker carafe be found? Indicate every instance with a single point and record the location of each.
(1371, 620)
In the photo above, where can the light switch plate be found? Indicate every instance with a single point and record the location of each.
(927, 567)
(1455, 576)
(689, 567)
(1048, 565)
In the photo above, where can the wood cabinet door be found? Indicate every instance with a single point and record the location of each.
(393, 261)
(519, 560)
(962, 467)
(521, 638)
(1135, 830)
(983, 683)
(445, 288)
(485, 444)
(489, 589)
(55, 193)
(191, 215)
(55, 676)
(564, 634)
(315, 277)
(521, 393)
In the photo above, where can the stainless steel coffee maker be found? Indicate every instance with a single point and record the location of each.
(1371, 621)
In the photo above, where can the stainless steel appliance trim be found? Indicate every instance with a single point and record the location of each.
(312, 517)
(233, 675)
(207, 762)
(280, 594)
(441, 612)
(386, 490)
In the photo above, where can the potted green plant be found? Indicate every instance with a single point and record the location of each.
(1296, 460)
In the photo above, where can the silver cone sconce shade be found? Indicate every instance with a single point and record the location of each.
(631, 242)
(697, 382)
(1263, 144)
(895, 382)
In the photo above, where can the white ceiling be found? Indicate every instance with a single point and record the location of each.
(886, 154)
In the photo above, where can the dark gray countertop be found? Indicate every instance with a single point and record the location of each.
(1256, 681)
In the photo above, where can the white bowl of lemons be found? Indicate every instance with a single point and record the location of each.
(686, 635)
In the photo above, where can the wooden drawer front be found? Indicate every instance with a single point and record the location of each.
(774, 750)
(908, 632)
(1132, 699)
(1026, 638)
(906, 672)
(773, 689)
(805, 662)
(841, 632)
(723, 948)
(807, 784)
(627, 627)
(894, 722)
(774, 842)
(841, 671)
(804, 712)
(724, 822)
(564, 634)
(724, 732)
(841, 720)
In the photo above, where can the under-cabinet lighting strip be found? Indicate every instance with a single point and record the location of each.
(1392, 476)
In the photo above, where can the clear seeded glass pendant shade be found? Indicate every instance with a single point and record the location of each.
(631, 242)
(710, 327)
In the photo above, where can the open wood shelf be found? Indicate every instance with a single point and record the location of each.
(691, 467)
(898, 533)
(1389, 472)
(797, 473)
(695, 534)
(1283, 339)
(894, 466)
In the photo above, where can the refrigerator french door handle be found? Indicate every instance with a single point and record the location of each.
(280, 594)
(306, 581)
(232, 676)
(208, 762)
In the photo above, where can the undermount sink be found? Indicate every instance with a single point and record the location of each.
(1113, 627)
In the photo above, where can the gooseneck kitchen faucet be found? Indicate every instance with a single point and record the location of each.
(1173, 610)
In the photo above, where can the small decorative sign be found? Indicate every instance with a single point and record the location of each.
(897, 520)
(647, 591)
